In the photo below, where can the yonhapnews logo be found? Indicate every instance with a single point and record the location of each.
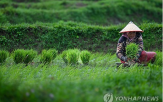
(108, 97)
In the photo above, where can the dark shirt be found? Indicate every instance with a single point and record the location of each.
(124, 41)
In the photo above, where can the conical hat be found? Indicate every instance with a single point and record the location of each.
(130, 27)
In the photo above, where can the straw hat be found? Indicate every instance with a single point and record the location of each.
(130, 27)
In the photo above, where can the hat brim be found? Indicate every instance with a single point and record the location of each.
(130, 31)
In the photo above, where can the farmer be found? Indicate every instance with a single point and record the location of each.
(132, 34)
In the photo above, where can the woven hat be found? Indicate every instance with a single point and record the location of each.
(130, 27)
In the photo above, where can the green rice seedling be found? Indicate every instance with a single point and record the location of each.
(3, 55)
(72, 56)
(77, 51)
(131, 50)
(85, 56)
(29, 56)
(19, 55)
(53, 52)
(74, 82)
(64, 56)
(158, 60)
(46, 56)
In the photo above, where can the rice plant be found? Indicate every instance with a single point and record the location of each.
(64, 56)
(158, 60)
(132, 50)
(91, 82)
(46, 56)
(73, 56)
(85, 56)
(3, 55)
(19, 55)
(53, 52)
(29, 56)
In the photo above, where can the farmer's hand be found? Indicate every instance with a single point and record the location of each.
(136, 59)
(128, 59)
(124, 58)
(133, 60)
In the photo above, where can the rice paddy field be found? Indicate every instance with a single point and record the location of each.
(90, 25)
(60, 82)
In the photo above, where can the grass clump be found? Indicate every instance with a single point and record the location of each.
(131, 53)
(85, 56)
(46, 56)
(29, 56)
(132, 50)
(158, 60)
(3, 55)
(64, 56)
(19, 55)
(53, 52)
(70, 56)
(24, 56)
(73, 56)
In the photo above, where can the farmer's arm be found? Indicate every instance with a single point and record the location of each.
(140, 42)
(120, 49)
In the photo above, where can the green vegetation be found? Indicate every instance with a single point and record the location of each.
(48, 55)
(19, 55)
(55, 70)
(3, 55)
(29, 56)
(64, 56)
(101, 12)
(132, 50)
(158, 60)
(69, 35)
(131, 53)
(72, 56)
(85, 56)
(23, 56)
(53, 53)
(85, 83)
